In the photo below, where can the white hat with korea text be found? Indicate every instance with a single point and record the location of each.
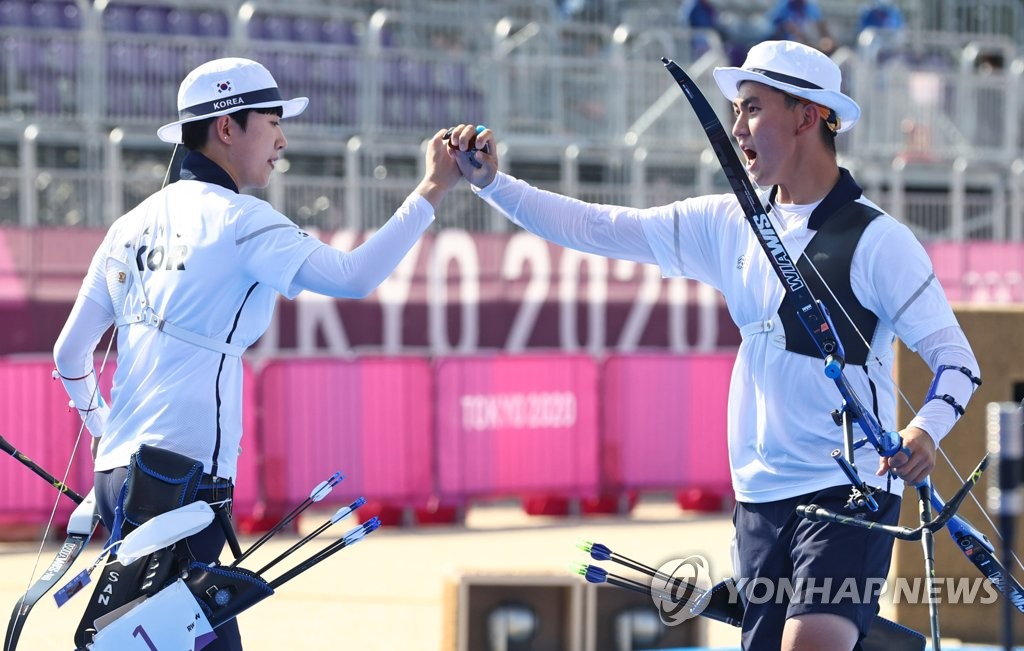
(224, 86)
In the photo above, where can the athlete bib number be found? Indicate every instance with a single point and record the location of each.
(171, 620)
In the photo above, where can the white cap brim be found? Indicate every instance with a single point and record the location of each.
(847, 110)
(289, 108)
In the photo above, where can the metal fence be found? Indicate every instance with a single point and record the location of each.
(580, 107)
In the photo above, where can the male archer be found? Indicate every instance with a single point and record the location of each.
(876, 281)
(191, 276)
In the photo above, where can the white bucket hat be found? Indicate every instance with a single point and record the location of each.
(224, 86)
(797, 70)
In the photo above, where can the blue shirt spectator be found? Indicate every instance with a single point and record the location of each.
(881, 14)
(698, 14)
(885, 22)
(798, 20)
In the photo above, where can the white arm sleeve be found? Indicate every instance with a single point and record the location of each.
(339, 274)
(947, 346)
(73, 356)
(611, 231)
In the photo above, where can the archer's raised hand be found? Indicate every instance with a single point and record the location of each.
(440, 173)
(922, 457)
(474, 150)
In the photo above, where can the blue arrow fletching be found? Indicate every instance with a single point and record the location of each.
(358, 533)
(323, 489)
(600, 552)
(346, 511)
(372, 524)
(596, 574)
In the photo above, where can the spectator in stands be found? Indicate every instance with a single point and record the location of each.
(803, 22)
(735, 37)
(589, 10)
(701, 15)
(191, 276)
(881, 14)
(885, 20)
(789, 107)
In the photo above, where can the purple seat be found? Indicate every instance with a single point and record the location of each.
(408, 75)
(15, 13)
(155, 100)
(71, 17)
(151, 20)
(118, 98)
(209, 23)
(339, 32)
(340, 71)
(293, 67)
(124, 59)
(256, 29)
(62, 57)
(27, 54)
(277, 28)
(305, 29)
(181, 22)
(47, 15)
(161, 61)
(119, 18)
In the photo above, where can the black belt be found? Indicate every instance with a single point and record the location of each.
(211, 481)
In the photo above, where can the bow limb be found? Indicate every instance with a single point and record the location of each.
(83, 520)
(80, 529)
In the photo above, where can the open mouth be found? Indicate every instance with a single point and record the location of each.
(749, 154)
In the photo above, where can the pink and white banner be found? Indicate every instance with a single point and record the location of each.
(517, 425)
(371, 419)
(980, 272)
(469, 293)
(36, 420)
(248, 493)
(664, 422)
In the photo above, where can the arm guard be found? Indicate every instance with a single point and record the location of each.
(940, 390)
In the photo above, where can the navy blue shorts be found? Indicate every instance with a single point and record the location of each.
(791, 566)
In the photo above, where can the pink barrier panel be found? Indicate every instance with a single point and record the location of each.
(509, 425)
(248, 496)
(665, 422)
(35, 418)
(12, 288)
(980, 272)
(370, 419)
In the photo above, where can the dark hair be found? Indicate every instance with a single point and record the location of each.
(827, 135)
(194, 135)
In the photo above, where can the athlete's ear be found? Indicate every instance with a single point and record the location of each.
(222, 128)
(809, 117)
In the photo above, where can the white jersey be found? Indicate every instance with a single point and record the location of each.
(212, 262)
(191, 277)
(780, 428)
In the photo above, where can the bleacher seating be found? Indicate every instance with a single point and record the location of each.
(547, 82)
